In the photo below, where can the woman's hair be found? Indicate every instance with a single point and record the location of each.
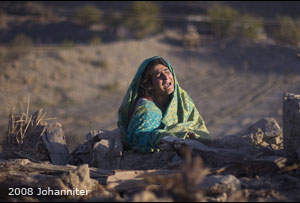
(146, 81)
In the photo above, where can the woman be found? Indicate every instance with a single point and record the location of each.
(155, 106)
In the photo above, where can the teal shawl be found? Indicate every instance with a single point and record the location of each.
(148, 125)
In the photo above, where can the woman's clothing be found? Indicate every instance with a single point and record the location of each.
(141, 129)
(144, 129)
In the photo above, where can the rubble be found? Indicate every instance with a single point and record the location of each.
(219, 184)
(48, 181)
(102, 149)
(247, 166)
(29, 136)
(264, 135)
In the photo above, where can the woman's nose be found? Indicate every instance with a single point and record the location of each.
(163, 76)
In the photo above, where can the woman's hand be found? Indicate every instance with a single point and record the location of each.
(190, 135)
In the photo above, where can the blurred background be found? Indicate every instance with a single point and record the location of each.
(76, 59)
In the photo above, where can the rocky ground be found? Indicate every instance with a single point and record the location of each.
(248, 166)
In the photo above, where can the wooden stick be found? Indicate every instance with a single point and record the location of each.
(28, 135)
(40, 119)
(28, 101)
(27, 124)
(46, 119)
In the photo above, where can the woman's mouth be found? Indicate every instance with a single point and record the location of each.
(167, 85)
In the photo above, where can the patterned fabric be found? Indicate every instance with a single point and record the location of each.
(148, 125)
(147, 117)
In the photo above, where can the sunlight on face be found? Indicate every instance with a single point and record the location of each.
(162, 80)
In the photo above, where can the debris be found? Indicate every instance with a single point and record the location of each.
(78, 178)
(253, 183)
(108, 151)
(33, 138)
(22, 172)
(219, 156)
(263, 136)
(55, 143)
(248, 166)
(144, 161)
(122, 175)
(102, 149)
(219, 184)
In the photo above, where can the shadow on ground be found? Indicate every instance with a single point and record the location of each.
(247, 57)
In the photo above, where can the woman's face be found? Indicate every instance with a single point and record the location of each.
(162, 80)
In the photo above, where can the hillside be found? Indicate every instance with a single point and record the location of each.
(233, 83)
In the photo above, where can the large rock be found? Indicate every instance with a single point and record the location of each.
(102, 149)
(55, 143)
(291, 126)
(107, 151)
(266, 133)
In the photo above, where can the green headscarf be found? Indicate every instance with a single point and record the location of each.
(180, 117)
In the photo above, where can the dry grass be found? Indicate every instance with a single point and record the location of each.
(23, 138)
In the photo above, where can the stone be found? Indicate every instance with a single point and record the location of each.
(55, 143)
(254, 183)
(218, 184)
(82, 154)
(107, 152)
(102, 149)
(291, 125)
(147, 196)
(220, 198)
(144, 161)
(79, 178)
(78, 182)
(275, 140)
(265, 133)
